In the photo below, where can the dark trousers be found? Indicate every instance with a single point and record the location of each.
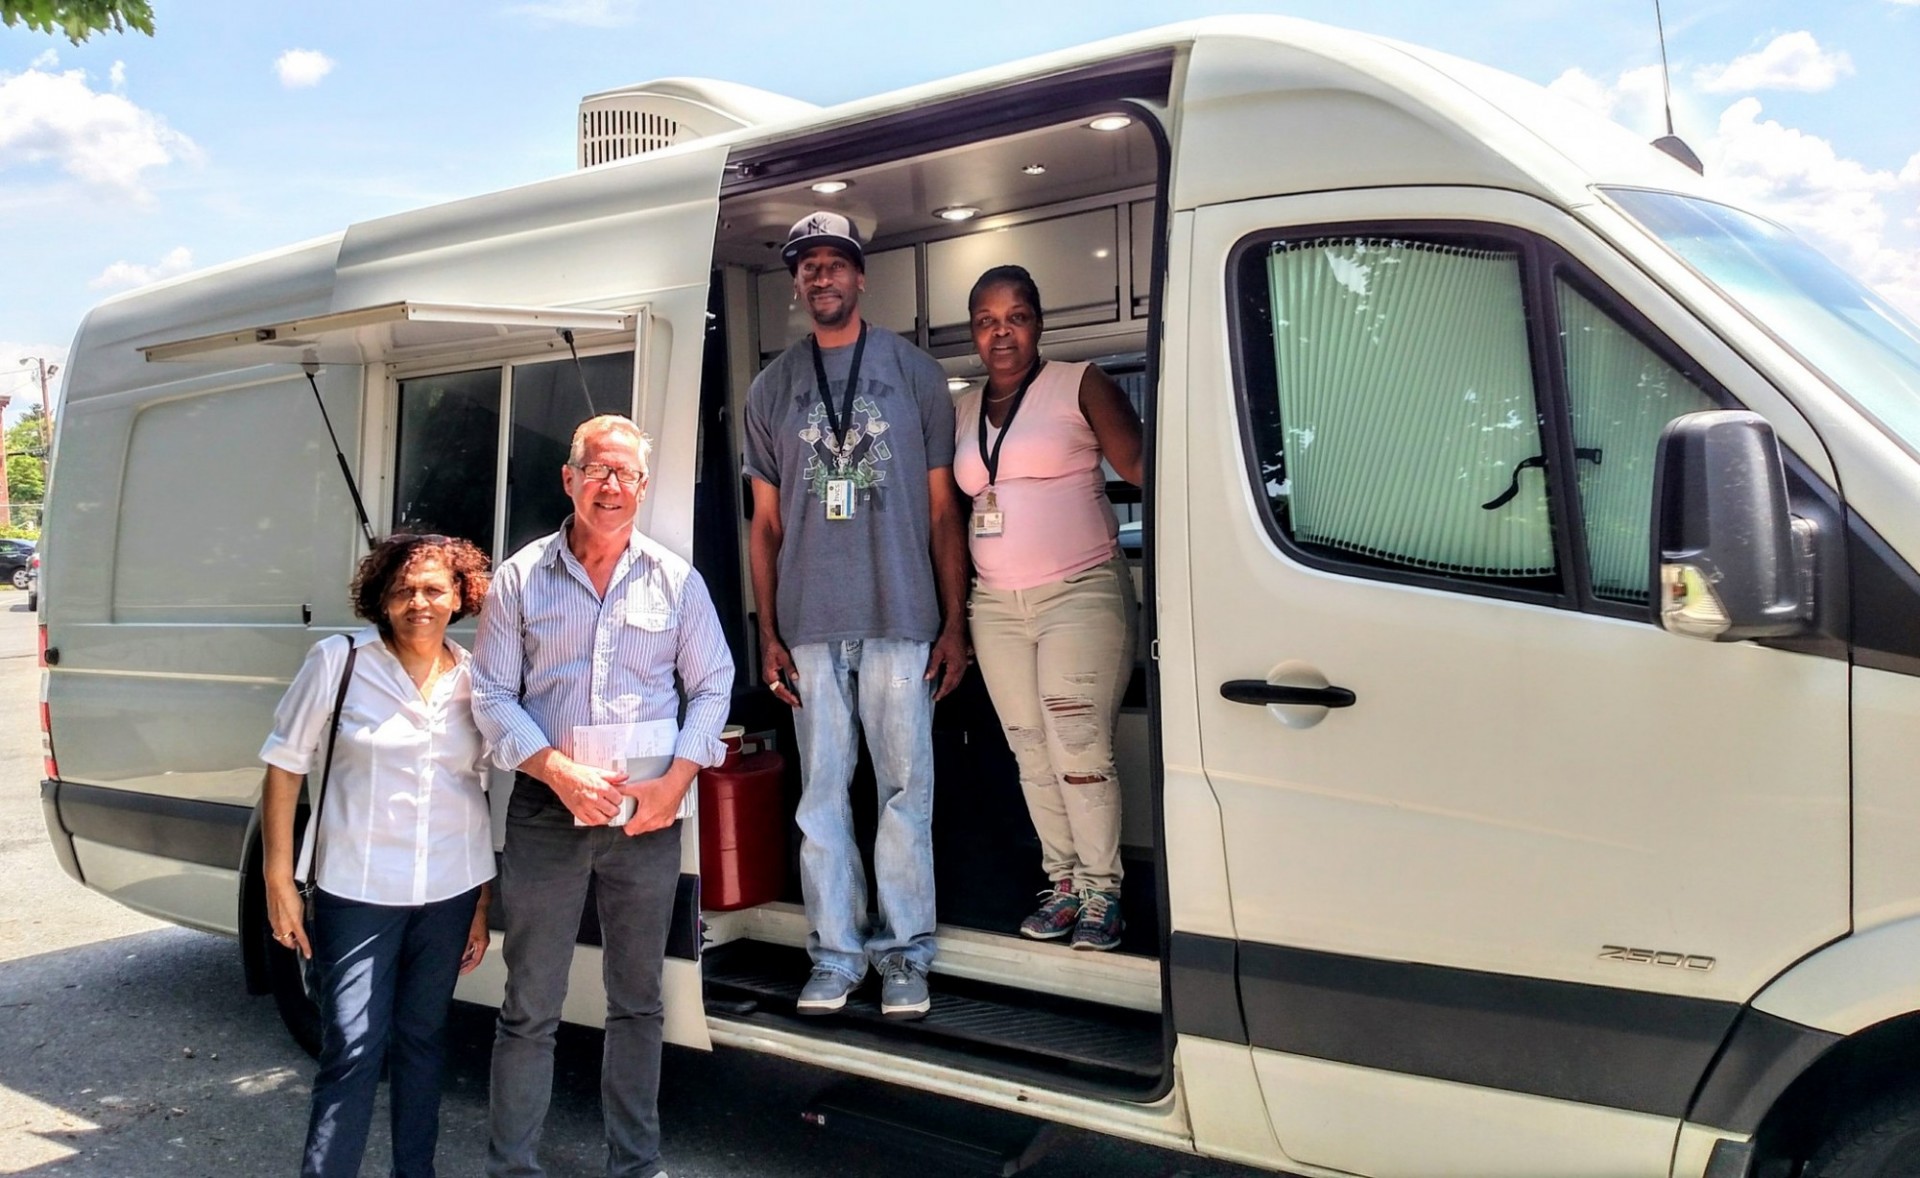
(383, 976)
(543, 886)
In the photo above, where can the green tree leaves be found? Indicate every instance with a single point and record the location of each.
(78, 19)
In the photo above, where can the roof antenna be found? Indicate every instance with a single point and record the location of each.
(1670, 143)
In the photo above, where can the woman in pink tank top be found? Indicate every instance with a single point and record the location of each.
(1052, 610)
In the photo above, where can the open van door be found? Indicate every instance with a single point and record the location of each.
(1502, 851)
(635, 237)
(527, 311)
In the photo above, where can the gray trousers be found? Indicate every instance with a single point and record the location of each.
(543, 888)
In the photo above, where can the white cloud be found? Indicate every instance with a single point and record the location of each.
(595, 14)
(101, 139)
(1791, 61)
(48, 60)
(300, 68)
(118, 75)
(178, 260)
(1634, 100)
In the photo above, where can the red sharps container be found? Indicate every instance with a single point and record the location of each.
(743, 828)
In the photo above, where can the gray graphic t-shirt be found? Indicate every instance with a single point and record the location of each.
(870, 576)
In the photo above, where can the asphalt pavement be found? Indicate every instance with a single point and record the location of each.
(129, 1047)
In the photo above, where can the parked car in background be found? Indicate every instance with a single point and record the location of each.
(33, 582)
(15, 555)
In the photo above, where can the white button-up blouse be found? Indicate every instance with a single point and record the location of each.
(406, 817)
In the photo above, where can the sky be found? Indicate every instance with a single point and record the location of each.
(242, 127)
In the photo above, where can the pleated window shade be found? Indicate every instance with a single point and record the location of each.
(1406, 406)
(1621, 395)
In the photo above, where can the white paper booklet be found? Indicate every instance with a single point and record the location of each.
(642, 750)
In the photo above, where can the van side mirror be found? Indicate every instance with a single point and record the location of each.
(1730, 559)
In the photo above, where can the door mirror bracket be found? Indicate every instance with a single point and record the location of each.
(1731, 561)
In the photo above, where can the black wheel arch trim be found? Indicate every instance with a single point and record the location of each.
(1762, 1058)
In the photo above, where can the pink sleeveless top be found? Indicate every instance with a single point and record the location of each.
(1051, 490)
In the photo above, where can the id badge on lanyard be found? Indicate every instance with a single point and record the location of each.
(989, 522)
(839, 498)
(840, 489)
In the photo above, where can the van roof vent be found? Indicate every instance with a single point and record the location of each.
(616, 124)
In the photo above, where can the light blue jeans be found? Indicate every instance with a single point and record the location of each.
(877, 685)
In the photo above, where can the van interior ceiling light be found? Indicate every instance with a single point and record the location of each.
(957, 213)
(958, 384)
(1111, 123)
(829, 187)
(1034, 170)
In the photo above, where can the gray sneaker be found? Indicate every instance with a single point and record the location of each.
(903, 988)
(825, 992)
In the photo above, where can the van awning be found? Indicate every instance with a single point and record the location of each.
(389, 332)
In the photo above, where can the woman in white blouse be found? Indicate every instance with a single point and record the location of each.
(401, 853)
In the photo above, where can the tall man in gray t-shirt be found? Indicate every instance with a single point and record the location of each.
(859, 574)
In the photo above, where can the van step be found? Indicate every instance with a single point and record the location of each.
(966, 1014)
(927, 1128)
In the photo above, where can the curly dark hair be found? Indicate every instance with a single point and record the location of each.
(393, 556)
(1009, 275)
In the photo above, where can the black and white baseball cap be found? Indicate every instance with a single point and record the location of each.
(822, 228)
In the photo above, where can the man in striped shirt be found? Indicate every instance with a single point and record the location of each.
(588, 627)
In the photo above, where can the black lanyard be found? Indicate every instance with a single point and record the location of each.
(992, 457)
(839, 421)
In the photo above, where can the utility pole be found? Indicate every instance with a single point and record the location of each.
(44, 372)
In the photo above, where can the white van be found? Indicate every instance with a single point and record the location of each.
(1465, 409)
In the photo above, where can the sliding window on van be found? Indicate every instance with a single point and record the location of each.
(448, 475)
(1400, 424)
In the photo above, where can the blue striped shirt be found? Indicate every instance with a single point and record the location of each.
(552, 654)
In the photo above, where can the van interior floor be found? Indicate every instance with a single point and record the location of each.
(1033, 1035)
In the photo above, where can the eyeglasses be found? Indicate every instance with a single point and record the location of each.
(596, 472)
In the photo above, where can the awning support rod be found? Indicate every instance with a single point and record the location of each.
(580, 372)
(346, 472)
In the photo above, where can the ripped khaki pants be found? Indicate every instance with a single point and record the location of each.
(1056, 659)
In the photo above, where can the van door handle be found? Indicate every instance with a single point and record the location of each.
(1260, 693)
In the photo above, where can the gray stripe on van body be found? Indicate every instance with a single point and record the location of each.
(1203, 988)
(1710, 1062)
(1625, 1049)
(212, 834)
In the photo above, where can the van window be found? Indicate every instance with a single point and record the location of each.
(449, 448)
(549, 400)
(1391, 405)
(447, 467)
(1620, 395)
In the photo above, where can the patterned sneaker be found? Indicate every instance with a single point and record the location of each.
(1059, 909)
(825, 992)
(903, 988)
(1099, 924)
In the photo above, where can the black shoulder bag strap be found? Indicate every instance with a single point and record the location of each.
(326, 768)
